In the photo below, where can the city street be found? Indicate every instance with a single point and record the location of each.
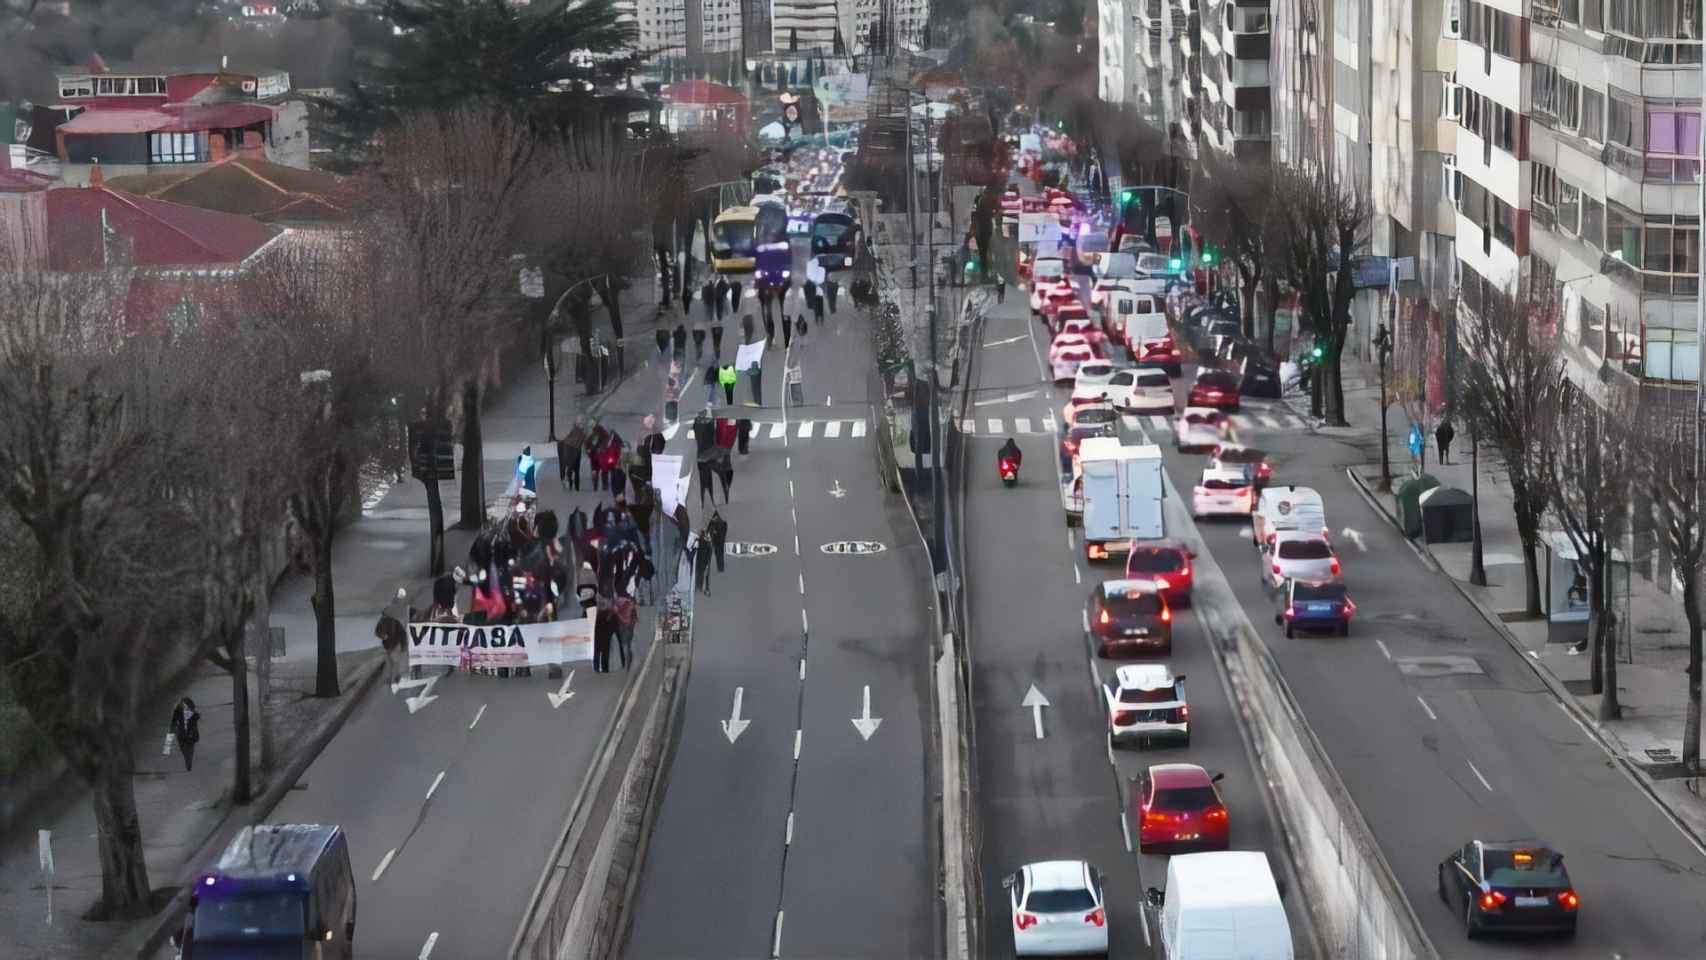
(784, 830)
(1065, 796)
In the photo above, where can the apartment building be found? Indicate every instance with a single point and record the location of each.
(1184, 80)
(1116, 51)
(663, 27)
(1149, 48)
(803, 25)
(1300, 81)
(1237, 101)
(1579, 155)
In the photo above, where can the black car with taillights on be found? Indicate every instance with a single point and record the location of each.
(1130, 618)
(1517, 887)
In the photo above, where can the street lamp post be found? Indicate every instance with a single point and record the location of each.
(1383, 347)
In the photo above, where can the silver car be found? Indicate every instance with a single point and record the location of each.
(1298, 556)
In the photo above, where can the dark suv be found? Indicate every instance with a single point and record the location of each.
(1129, 618)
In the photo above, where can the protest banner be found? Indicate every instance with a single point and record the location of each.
(470, 647)
(749, 354)
(666, 467)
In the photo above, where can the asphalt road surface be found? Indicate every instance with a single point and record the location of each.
(1064, 797)
(802, 838)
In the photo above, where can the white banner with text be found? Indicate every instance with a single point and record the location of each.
(470, 647)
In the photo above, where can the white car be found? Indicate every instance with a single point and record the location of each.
(1198, 427)
(1065, 364)
(1299, 556)
(1089, 409)
(1224, 491)
(1093, 375)
(1146, 701)
(1057, 908)
(1068, 341)
(1122, 390)
(1151, 390)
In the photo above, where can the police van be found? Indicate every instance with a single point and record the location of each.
(278, 890)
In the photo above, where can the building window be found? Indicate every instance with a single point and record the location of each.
(1621, 127)
(1593, 115)
(1593, 222)
(1543, 81)
(1451, 97)
(1593, 16)
(1569, 208)
(77, 87)
(1570, 11)
(172, 148)
(1545, 186)
(1672, 355)
(1453, 18)
(1452, 185)
(1567, 103)
(1623, 237)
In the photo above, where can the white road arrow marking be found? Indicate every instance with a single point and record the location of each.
(423, 698)
(838, 491)
(734, 726)
(426, 949)
(865, 723)
(563, 694)
(1002, 343)
(1035, 702)
(399, 685)
(1355, 537)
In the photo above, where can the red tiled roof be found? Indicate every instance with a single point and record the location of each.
(158, 234)
(21, 181)
(249, 186)
(171, 117)
(702, 92)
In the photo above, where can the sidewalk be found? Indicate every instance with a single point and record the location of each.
(1652, 684)
(386, 548)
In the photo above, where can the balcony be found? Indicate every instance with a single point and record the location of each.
(1248, 73)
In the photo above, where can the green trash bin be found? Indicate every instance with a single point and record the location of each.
(1409, 503)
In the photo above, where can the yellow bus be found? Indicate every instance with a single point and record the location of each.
(734, 240)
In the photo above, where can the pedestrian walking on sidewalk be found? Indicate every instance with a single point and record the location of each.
(626, 614)
(603, 631)
(186, 729)
(718, 528)
(682, 523)
(393, 633)
(726, 474)
(830, 289)
(765, 300)
(702, 564)
(810, 290)
(755, 374)
(787, 331)
(770, 330)
(569, 458)
(728, 378)
(817, 309)
(1000, 288)
(1443, 435)
(717, 342)
(707, 469)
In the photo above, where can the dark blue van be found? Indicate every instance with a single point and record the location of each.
(278, 891)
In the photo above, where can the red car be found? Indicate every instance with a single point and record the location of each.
(1215, 388)
(1167, 563)
(1161, 351)
(1055, 297)
(1178, 807)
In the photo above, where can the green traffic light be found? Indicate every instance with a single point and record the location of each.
(1175, 264)
(1317, 352)
(1207, 257)
(1126, 195)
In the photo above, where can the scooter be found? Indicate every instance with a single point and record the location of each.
(1009, 471)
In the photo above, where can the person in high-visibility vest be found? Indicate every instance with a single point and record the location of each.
(728, 378)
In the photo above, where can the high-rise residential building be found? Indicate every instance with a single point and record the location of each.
(1300, 76)
(663, 27)
(1118, 72)
(1237, 104)
(1182, 39)
(1151, 86)
(719, 25)
(1607, 202)
(801, 25)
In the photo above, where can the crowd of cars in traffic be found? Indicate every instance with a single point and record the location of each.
(1120, 353)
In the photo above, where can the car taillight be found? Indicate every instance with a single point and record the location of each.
(1288, 613)
(1181, 714)
(1276, 568)
(1096, 553)
(1492, 900)
(1105, 619)
(1201, 490)
(1215, 814)
(1335, 567)
(1096, 917)
(1350, 608)
(1024, 920)
(1568, 900)
(1123, 718)
(1166, 614)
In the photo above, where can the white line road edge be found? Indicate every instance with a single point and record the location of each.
(1425, 708)
(776, 944)
(383, 863)
(1473, 769)
(435, 782)
(426, 948)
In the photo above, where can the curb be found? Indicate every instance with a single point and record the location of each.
(1565, 698)
(150, 939)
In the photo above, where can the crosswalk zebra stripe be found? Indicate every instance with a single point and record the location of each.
(832, 428)
(806, 427)
(968, 426)
(1274, 423)
(1048, 424)
(858, 428)
(778, 429)
(1022, 424)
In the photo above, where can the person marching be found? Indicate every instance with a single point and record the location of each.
(186, 729)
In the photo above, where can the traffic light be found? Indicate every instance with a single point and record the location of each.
(1318, 351)
(1207, 257)
(1175, 264)
(1127, 196)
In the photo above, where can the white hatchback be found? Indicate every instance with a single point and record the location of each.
(1058, 908)
(1093, 375)
(1152, 390)
(1146, 702)
(1224, 491)
(1198, 427)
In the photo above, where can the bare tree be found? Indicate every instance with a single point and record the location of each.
(89, 449)
(320, 311)
(1236, 202)
(1511, 374)
(1668, 442)
(444, 204)
(1322, 221)
(1588, 478)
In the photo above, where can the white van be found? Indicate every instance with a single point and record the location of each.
(1219, 906)
(1145, 322)
(1288, 507)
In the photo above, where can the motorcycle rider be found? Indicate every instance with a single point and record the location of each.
(1010, 452)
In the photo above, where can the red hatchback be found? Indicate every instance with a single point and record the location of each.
(1215, 388)
(1177, 807)
(1168, 563)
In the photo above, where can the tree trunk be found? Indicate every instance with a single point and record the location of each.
(1248, 307)
(435, 523)
(124, 870)
(325, 622)
(1610, 705)
(610, 291)
(1530, 576)
(473, 456)
(1691, 721)
(1272, 286)
(235, 648)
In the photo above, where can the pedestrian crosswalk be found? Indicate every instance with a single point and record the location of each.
(1270, 419)
(765, 431)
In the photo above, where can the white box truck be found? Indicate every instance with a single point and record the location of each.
(1218, 906)
(1122, 494)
